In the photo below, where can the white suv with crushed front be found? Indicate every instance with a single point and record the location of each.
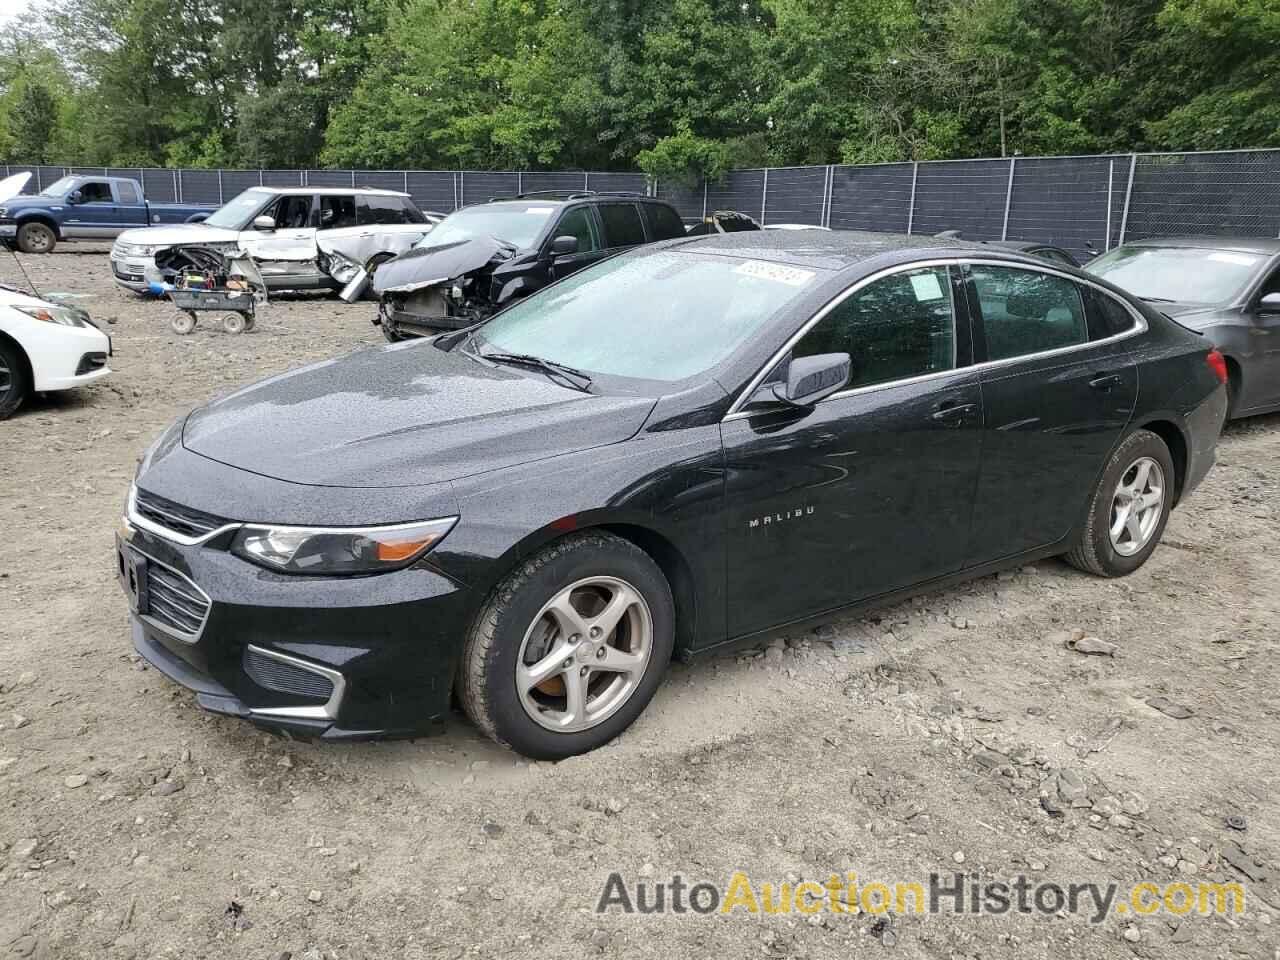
(300, 237)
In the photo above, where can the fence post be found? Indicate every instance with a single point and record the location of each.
(825, 220)
(704, 199)
(519, 183)
(651, 189)
(221, 201)
(1111, 176)
(1128, 193)
(764, 196)
(911, 204)
(406, 180)
(462, 189)
(261, 178)
(1008, 200)
(177, 187)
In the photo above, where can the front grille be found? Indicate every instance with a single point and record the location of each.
(184, 521)
(174, 601)
(90, 362)
(283, 677)
(131, 277)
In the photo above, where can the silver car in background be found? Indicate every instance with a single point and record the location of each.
(301, 237)
(1227, 288)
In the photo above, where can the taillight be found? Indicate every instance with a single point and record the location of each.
(1218, 364)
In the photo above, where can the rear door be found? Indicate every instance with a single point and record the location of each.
(131, 206)
(623, 227)
(870, 490)
(1262, 382)
(1058, 387)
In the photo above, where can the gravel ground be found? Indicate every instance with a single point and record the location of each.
(958, 731)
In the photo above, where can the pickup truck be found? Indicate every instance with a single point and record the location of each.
(86, 208)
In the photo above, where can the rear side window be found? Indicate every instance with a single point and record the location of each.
(622, 226)
(1025, 312)
(337, 211)
(1107, 316)
(128, 192)
(95, 191)
(896, 328)
(381, 210)
(664, 223)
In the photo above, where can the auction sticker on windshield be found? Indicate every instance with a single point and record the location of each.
(791, 276)
(539, 209)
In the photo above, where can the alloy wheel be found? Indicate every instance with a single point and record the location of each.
(585, 654)
(1136, 506)
(6, 377)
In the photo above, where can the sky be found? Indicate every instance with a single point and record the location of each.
(10, 9)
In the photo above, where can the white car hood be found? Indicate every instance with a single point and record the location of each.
(170, 236)
(13, 298)
(10, 187)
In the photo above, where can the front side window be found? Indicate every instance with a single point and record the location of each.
(337, 211)
(578, 223)
(664, 316)
(1026, 312)
(1178, 274)
(895, 328)
(622, 226)
(290, 212)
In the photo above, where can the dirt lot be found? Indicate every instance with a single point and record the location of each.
(954, 732)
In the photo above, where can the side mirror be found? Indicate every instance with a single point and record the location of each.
(74, 197)
(1270, 303)
(264, 223)
(809, 380)
(561, 246)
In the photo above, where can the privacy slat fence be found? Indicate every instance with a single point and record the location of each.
(1074, 202)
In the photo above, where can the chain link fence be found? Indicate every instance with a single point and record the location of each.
(1078, 203)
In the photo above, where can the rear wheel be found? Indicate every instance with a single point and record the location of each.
(15, 382)
(36, 238)
(182, 322)
(1128, 510)
(570, 648)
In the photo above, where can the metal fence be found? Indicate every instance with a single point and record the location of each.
(1074, 202)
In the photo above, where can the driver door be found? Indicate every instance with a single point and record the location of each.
(580, 223)
(288, 251)
(870, 490)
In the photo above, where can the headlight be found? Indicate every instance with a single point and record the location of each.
(67, 316)
(135, 249)
(330, 550)
(4, 212)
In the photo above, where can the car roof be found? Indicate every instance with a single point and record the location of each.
(1262, 245)
(833, 250)
(535, 201)
(329, 191)
(1021, 244)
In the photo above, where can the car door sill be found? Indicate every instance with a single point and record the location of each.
(884, 599)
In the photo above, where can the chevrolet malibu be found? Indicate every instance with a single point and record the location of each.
(679, 448)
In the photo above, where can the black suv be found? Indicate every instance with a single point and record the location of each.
(481, 258)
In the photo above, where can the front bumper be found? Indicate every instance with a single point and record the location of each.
(331, 657)
(135, 273)
(8, 230)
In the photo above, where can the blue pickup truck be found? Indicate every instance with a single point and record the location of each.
(86, 208)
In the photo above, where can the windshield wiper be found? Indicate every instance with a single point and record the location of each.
(574, 377)
(1157, 300)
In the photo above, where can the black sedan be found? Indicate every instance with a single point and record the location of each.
(681, 447)
(1227, 288)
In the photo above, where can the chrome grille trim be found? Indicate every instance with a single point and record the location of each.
(326, 711)
(178, 597)
(136, 518)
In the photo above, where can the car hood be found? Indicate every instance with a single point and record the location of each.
(10, 187)
(404, 415)
(193, 233)
(427, 266)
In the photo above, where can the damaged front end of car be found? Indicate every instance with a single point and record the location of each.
(448, 287)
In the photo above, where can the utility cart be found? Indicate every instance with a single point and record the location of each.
(208, 281)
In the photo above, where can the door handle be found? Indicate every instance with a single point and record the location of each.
(1106, 381)
(953, 412)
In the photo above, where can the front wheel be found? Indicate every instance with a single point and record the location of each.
(1129, 508)
(391, 332)
(36, 238)
(15, 384)
(569, 649)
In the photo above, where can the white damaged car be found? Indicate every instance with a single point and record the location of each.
(301, 238)
(46, 347)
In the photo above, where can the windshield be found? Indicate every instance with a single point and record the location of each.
(1180, 274)
(60, 187)
(235, 214)
(516, 225)
(661, 316)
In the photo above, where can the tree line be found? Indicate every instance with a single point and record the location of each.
(677, 88)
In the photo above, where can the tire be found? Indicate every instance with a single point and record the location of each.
(516, 627)
(15, 380)
(234, 323)
(390, 332)
(1102, 551)
(36, 238)
(371, 268)
(182, 322)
